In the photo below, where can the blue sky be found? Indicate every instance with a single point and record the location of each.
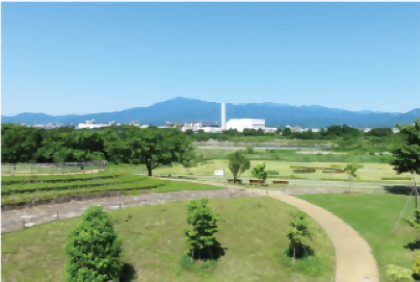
(79, 58)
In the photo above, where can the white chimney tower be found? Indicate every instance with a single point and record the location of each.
(223, 116)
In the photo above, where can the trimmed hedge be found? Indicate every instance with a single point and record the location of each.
(333, 171)
(10, 180)
(40, 187)
(396, 178)
(130, 187)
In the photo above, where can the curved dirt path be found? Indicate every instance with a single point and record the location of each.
(355, 261)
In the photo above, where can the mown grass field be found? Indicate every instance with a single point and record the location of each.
(21, 189)
(252, 235)
(369, 172)
(374, 216)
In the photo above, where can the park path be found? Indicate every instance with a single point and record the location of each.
(354, 259)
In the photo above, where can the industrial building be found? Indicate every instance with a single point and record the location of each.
(243, 123)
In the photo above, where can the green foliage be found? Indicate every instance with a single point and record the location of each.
(287, 132)
(249, 150)
(417, 265)
(273, 172)
(127, 144)
(407, 154)
(204, 224)
(94, 249)
(238, 164)
(299, 235)
(351, 169)
(416, 221)
(397, 273)
(259, 172)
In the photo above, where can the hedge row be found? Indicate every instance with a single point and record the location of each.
(10, 180)
(333, 171)
(40, 185)
(129, 187)
(114, 178)
(287, 177)
(396, 178)
(63, 186)
(305, 167)
(304, 171)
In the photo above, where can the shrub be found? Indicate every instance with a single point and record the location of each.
(259, 172)
(204, 224)
(94, 249)
(273, 172)
(397, 273)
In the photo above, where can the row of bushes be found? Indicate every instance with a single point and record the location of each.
(396, 178)
(37, 183)
(42, 187)
(127, 187)
(10, 180)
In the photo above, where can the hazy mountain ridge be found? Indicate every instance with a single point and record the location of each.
(180, 109)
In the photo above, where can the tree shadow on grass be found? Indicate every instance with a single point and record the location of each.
(214, 252)
(399, 189)
(128, 273)
(413, 246)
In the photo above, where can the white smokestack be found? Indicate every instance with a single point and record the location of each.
(223, 116)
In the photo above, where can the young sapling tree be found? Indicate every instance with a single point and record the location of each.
(204, 225)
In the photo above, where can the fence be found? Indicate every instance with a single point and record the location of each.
(53, 168)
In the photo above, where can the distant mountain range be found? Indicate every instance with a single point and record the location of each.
(275, 115)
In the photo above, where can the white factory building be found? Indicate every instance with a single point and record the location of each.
(242, 123)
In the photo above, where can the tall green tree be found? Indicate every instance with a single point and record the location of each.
(238, 164)
(151, 146)
(94, 249)
(204, 226)
(407, 154)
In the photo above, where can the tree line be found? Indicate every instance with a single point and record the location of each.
(329, 133)
(130, 144)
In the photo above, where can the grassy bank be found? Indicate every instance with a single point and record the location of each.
(20, 189)
(374, 216)
(252, 235)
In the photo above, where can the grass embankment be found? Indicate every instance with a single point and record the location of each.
(252, 235)
(20, 189)
(374, 216)
(287, 170)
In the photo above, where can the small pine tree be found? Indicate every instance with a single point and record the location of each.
(299, 236)
(94, 249)
(204, 223)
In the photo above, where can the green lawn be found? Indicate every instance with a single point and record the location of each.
(374, 217)
(252, 233)
(370, 171)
